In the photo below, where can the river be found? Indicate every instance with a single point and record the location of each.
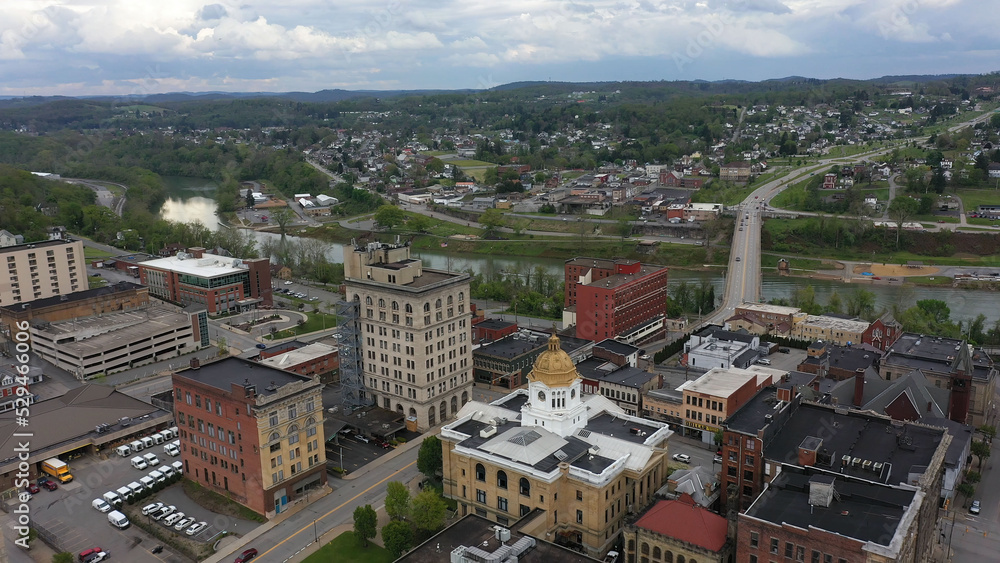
(192, 199)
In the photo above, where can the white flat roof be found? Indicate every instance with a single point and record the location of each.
(718, 382)
(208, 266)
(295, 357)
(768, 308)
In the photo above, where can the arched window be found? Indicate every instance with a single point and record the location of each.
(437, 304)
(525, 487)
(656, 552)
(395, 306)
(311, 421)
(368, 300)
(409, 308)
(451, 299)
(427, 307)
(480, 472)
(692, 561)
(502, 479)
(644, 548)
(680, 559)
(293, 428)
(631, 545)
(668, 557)
(381, 302)
(461, 296)
(274, 437)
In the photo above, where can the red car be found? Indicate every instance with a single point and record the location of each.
(32, 488)
(247, 555)
(87, 553)
(50, 485)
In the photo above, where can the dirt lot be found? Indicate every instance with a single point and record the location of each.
(896, 270)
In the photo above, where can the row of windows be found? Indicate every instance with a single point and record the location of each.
(409, 308)
(791, 551)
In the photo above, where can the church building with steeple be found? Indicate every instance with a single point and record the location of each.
(572, 465)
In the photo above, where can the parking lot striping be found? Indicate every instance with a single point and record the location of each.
(342, 505)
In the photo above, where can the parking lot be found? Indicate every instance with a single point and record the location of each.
(67, 512)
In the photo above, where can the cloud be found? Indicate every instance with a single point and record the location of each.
(417, 43)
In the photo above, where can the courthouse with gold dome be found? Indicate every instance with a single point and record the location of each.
(573, 465)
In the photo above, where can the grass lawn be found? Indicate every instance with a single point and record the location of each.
(479, 174)
(96, 281)
(91, 253)
(972, 199)
(936, 218)
(346, 548)
(982, 221)
(471, 163)
(769, 261)
(930, 280)
(316, 321)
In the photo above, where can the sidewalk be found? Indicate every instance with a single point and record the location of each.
(233, 544)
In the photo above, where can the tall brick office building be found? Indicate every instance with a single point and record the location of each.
(250, 432)
(220, 283)
(615, 298)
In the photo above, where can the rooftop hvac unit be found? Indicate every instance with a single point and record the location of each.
(488, 432)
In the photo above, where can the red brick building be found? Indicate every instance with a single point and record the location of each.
(883, 332)
(611, 297)
(250, 432)
(220, 283)
(491, 330)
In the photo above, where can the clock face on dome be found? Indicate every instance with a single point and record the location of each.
(541, 395)
(572, 394)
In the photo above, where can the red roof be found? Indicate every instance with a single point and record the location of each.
(687, 522)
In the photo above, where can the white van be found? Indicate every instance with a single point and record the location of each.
(147, 482)
(151, 459)
(173, 431)
(118, 520)
(125, 493)
(168, 471)
(167, 435)
(112, 498)
(178, 466)
(101, 505)
(157, 475)
(136, 446)
(139, 462)
(147, 442)
(136, 488)
(157, 438)
(123, 451)
(171, 449)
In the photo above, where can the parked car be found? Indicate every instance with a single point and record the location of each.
(183, 523)
(683, 458)
(151, 508)
(717, 459)
(974, 509)
(32, 488)
(764, 362)
(97, 557)
(101, 505)
(50, 485)
(262, 346)
(195, 528)
(88, 552)
(247, 555)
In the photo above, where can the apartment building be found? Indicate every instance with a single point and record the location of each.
(250, 432)
(37, 270)
(615, 298)
(415, 332)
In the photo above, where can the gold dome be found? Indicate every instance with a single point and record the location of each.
(554, 367)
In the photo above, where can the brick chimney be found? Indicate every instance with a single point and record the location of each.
(195, 363)
(197, 251)
(859, 387)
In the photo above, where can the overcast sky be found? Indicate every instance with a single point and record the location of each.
(82, 47)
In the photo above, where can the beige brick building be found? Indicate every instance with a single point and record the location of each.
(579, 458)
(41, 269)
(414, 327)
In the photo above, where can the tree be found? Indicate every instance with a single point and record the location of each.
(283, 217)
(397, 500)
(989, 431)
(397, 537)
(419, 223)
(365, 523)
(389, 216)
(429, 459)
(966, 490)
(250, 200)
(492, 220)
(428, 511)
(901, 210)
(624, 228)
(981, 450)
(861, 303)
